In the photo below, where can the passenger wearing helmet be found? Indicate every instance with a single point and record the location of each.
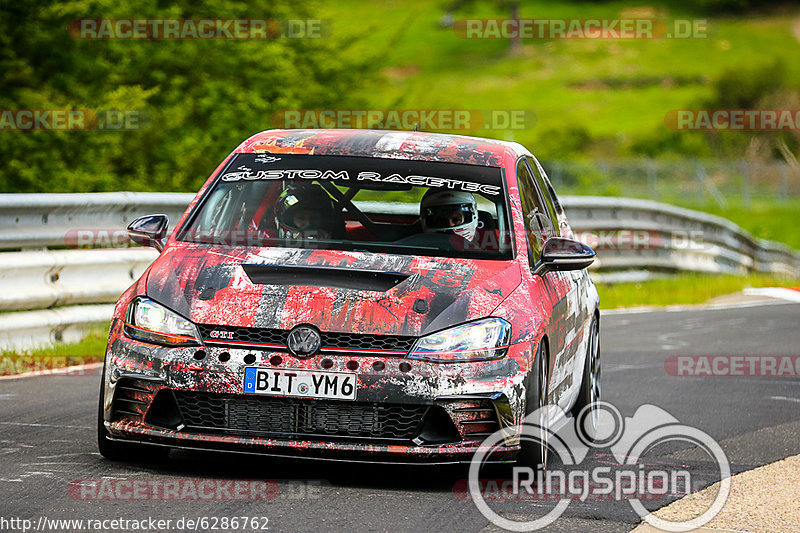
(307, 212)
(450, 212)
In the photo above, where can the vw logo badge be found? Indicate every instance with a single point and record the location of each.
(303, 341)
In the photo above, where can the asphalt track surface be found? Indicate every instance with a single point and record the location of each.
(47, 440)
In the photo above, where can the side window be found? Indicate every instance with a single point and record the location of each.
(538, 225)
(543, 184)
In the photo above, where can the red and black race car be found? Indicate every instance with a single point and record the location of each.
(359, 295)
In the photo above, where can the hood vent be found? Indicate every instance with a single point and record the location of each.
(324, 276)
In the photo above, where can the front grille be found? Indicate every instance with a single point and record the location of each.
(287, 417)
(477, 419)
(332, 343)
(253, 335)
(132, 397)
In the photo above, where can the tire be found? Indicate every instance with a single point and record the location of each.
(534, 453)
(119, 451)
(584, 411)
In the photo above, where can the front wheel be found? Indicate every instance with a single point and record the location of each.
(585, 412)
(533, 448)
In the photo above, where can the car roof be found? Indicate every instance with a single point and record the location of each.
(416, 145)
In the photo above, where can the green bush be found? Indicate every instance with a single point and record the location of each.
(201, 98)
(746, 87)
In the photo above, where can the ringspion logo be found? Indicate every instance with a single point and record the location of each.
(632, 476)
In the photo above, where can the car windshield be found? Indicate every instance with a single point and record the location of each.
(355, 203)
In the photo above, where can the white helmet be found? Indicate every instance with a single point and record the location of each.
(449, 212)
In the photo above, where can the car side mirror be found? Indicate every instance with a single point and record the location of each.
(149, 230)
(566, 254)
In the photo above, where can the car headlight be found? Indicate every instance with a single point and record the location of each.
(149, 321)
(476, 341)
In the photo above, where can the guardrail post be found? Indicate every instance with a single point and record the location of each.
(745, 173)
(784, 194)
(701, 190)
(556, 177)
(652, 178)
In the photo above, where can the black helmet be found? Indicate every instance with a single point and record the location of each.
(307, 212)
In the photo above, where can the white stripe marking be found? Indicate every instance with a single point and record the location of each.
(775, 292)
(785, 399)
(680, 308)
(26, 424)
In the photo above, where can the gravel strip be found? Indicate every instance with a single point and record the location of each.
(766, 499)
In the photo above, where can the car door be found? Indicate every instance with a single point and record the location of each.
(573, 306)
(539, 227)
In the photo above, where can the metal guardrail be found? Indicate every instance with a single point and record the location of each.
(51, 220)
(628, 234)
(51, 278)
(651, 235)
(47, 326)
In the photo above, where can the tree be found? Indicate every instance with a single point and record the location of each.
(198, 99)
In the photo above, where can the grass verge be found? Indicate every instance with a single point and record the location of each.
(683, 289)
(765, 219)
(617, 90)
(88, 350)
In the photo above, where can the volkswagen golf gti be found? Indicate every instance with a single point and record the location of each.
(360, 295)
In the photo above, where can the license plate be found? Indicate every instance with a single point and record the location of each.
(300, 383)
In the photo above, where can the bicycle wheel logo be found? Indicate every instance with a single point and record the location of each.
(629, 440)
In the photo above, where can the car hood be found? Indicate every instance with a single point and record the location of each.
(337, 291)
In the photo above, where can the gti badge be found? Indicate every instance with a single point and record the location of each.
(303, 341)
(220, 334)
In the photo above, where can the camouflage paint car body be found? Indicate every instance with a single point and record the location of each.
(207, 284)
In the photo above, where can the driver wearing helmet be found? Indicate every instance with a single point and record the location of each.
(449, 212)
(307, 213)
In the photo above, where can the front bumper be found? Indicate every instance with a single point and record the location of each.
(405, 411)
